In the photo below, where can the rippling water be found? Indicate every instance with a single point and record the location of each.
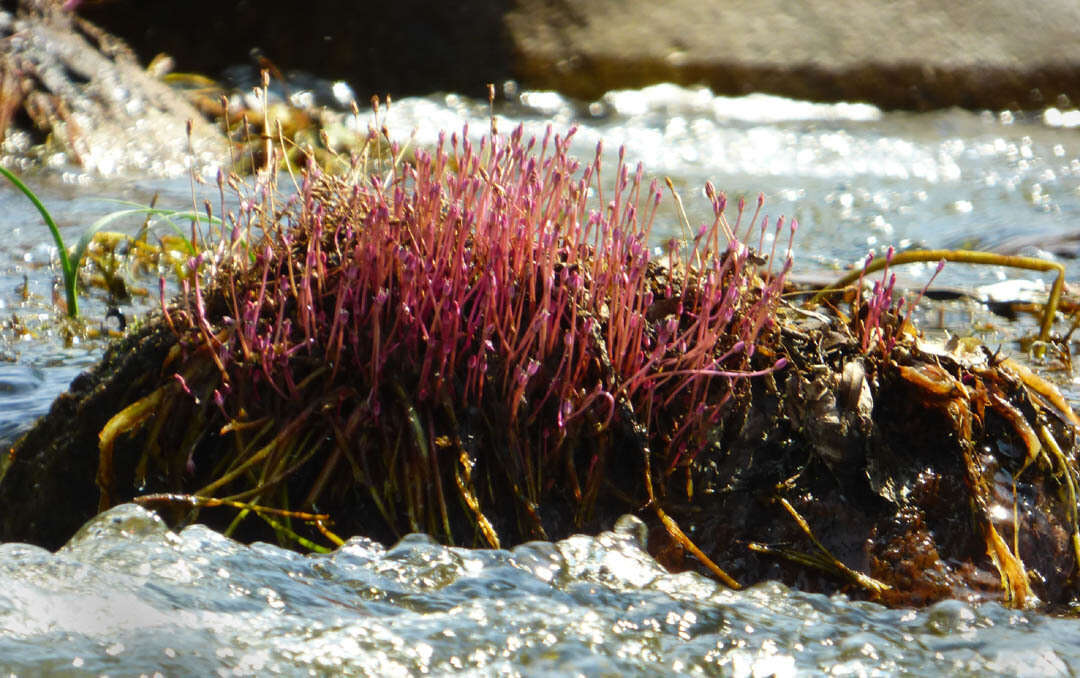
(127, 597)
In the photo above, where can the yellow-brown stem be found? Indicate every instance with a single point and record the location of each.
(965, 257)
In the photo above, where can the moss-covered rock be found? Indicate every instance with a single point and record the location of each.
(469, 346)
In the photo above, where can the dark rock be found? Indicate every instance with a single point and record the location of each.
(402, 47)
(910, 54)
(904, 54)
(47, 487)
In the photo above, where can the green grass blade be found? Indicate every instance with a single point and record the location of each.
(169, 215)
(79, 252)
(69, 271)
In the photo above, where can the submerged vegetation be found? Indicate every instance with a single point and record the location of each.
(102, 248)
(68, 265)
(482, 343)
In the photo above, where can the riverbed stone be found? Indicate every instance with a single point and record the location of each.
(900, 54)
(911, 54)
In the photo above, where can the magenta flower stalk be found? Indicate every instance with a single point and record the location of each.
(490, 306)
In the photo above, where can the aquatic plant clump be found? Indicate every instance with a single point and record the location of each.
(480, 334)
(481, 344)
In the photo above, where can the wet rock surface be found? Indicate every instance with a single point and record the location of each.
(47, 489)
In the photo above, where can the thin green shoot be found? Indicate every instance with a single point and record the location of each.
(168, 215)
(71, 261)
(88, 236)
(68, 267)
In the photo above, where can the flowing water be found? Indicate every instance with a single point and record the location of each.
(127, 597)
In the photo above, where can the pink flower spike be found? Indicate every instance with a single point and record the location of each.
(183, 384)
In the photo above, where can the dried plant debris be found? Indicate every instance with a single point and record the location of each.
(69, 90)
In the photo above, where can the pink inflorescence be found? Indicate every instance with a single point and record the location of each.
(880, 321)
(502, 276)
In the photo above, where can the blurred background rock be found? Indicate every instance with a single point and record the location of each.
(913, 54)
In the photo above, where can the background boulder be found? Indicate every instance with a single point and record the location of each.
(914, 54)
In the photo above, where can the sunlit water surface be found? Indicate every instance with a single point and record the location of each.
(127, 597)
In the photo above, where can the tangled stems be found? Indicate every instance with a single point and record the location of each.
(965, 257)
(487, 319)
